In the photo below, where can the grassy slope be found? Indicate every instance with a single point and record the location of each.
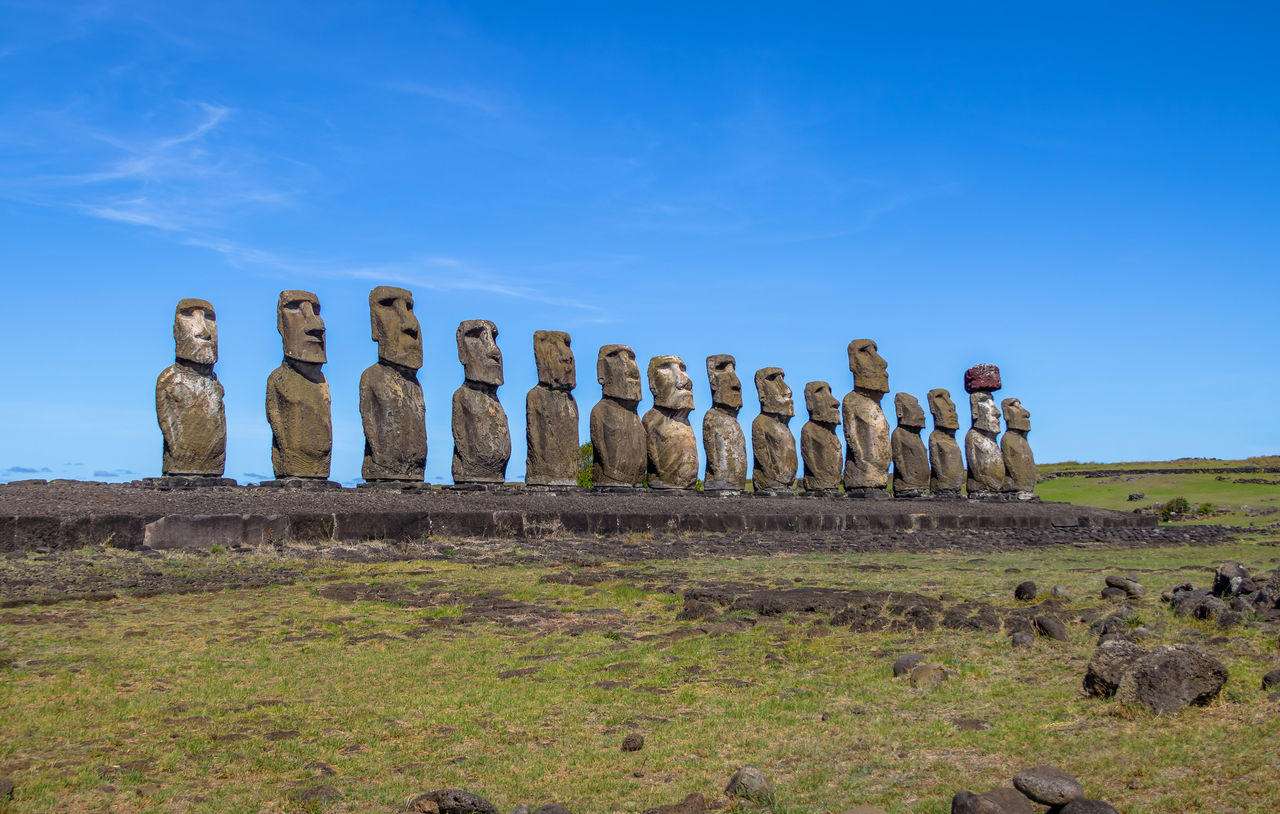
(163, 681)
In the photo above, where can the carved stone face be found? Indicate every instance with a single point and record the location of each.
(395, 327)
(670, 384)
(618, 373)
(870, 370)
(478, 351)
(822, 406)
(775, 396)
(554, 357)
(301, 328)
(195, 332)
(910, 413)
(1016, 417)
(726, 387)
(943, 409)
(986, 415)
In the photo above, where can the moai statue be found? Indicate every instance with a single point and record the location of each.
(910, 460)
(298, 394)
(819, 445)
(551, 414)
(189, 398)
(617, 434)
(672, 451)
(1019, 463)
(986, 463)
(481, 437)
(391, 406)
(773, 447)
(722, 436)
(946, 463)
(866, 431)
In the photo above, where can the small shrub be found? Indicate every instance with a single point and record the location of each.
(1205, 509)
(217, 549)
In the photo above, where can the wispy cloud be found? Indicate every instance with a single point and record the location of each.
(871, 214)
(463, 96)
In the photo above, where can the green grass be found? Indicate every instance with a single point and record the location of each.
(176, 703)
(1180, 463)
(1229, 499)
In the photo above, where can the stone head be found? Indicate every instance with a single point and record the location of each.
(554, 357)
(985, 413)
(1016, 417)
(822, 406)
(395, 327)
(870, 370)
(195, 331)
(478, 351)
(301, 328)
(726, 387)
(943, 409)
(670, 383)
(775, 396)
(910, 413)
(618, 373)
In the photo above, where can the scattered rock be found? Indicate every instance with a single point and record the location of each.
(1114, 593)
(1129, 586)
(1086, 806)
(551, 808)
(455, 801)
(1009, 800)
(420, 805)
(1136, 496)
(1110, 662)
(633, 742)
(1171, 677)
(1051, 626)
(1059, 592)
(906, 663)
(1271, 679)
(750, 784)
(693, 804)
(520, 809)
(1231, 579)
(925, 676)
(315, 795)
(971, 724)
(966, 802)
(695, 610)
(864, 810)
(1048, 785)
(1025, 592)
(6, 788)
(1022, 640)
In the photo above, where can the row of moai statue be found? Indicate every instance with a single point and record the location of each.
(658, 449)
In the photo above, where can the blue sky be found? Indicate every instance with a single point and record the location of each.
(1085, 195)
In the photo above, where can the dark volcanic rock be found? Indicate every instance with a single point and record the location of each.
(633, 742)
(966, 802)
(456, 801)
(1230, 579)
(904, 664)
(751, 784)
(1271, 679)
(315, 795)
(1021, 639)
(693, 804)
(1110, 662)
(1085, 806)
(1025, 591)
(1051, 626)
(1171, 677)
(1048, 785)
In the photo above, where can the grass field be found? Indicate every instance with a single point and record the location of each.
(236, 700)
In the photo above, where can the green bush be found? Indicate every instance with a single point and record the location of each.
(586, 456)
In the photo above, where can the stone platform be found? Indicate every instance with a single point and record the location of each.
(71, 514)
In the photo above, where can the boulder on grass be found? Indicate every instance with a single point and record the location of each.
(1172, 677)
(1109, 664)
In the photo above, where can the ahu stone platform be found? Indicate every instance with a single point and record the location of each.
(71, 514)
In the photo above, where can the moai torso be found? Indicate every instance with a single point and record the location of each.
(551, 414)
(298, 408)
(946, 462)
(392, 410)
(820, 446)
(723, 441)
(393, 413)
(910, 460)
(868, 448)
(481, 435)
(671, 449)
(774, 460)
(1019, 463)
(617, 433)
(986, 463)
(189, 396)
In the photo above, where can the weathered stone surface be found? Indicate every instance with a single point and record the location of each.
(1022, 639)
(456, 801)
(983, 378)
(1019, 463)
(966, 802)
(819, 444)
(1171, 677)
(1271, 679)
(617, 433)
(1025, 591)
(1230, 578)
(1051, 626)
(751, 784)
(985, 461)
(1109, 663)
(866, 431)
(692, 804)
(1084, 805)
(773, 446)
(671, 450)
(910, 459)
(904, 664)
(1048, 785)
(722, 437)
(946, 462)
(392, 410)
(189, 396)
(1009, 800)
(298, 403)
(551, 414)
(481, 435)
(925, 676)
(633, 742)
